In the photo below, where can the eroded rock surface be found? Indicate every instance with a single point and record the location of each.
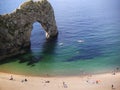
(15, 28)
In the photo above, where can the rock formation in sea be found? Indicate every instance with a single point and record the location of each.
(15, 28)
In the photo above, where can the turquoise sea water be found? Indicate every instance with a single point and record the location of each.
(88, 41)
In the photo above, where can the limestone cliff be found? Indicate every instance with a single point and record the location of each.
(15, 28)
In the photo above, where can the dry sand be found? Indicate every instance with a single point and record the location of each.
(94, 82)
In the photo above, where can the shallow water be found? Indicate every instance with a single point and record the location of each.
(88, 41)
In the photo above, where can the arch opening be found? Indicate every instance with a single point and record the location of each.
(37, 37)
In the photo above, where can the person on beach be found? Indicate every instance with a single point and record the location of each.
(22, 81)
(11, 78)
(97, 81)
(26, 80)
(112, 86)
(65, 85)
(47, 81)
(114, 73)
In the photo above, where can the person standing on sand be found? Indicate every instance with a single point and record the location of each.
(112, 86)
(11, 78)
(65, 85)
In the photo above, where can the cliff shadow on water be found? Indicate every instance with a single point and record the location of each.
(30, 58)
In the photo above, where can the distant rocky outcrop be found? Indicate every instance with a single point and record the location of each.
(15, 28)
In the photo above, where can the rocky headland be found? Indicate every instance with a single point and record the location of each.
(15, 28)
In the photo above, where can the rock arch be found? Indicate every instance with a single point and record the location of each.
(15, 28)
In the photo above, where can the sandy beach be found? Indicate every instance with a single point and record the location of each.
(106, 81)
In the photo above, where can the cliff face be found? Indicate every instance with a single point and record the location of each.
(15, 28)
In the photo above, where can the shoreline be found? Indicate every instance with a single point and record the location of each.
(82, 73)
(87, 82)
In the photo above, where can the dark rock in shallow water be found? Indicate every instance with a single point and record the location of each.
(15, 28)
